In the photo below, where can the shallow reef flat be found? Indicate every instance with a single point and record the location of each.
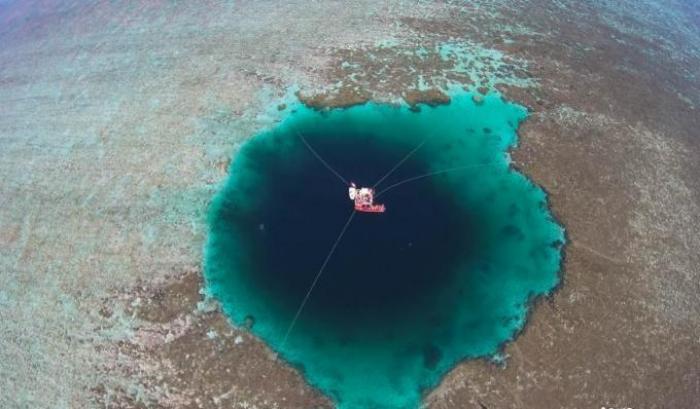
(119, 122)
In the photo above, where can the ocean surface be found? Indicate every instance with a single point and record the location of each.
(447, 273)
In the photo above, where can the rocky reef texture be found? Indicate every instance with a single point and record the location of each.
(118, 120)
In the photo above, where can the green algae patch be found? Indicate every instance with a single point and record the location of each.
(447, 273)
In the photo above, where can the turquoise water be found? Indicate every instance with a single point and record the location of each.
(446, 274)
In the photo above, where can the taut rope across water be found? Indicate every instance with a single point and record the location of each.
(352, 215)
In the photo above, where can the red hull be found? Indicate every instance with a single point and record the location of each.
(370, 208)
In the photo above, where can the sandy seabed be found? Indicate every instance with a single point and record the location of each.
(116, 127)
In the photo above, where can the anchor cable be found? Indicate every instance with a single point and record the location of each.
(405, 158)
(414, 178)
(318, 275)
(329, 167)
(352, 215)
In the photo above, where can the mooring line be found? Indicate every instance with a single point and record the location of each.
(329, 167)
(405, 158)
(318, 275)
(431, 174)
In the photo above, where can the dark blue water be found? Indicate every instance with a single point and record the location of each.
(445, 274)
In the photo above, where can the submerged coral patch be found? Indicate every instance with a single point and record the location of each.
(446, 273)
